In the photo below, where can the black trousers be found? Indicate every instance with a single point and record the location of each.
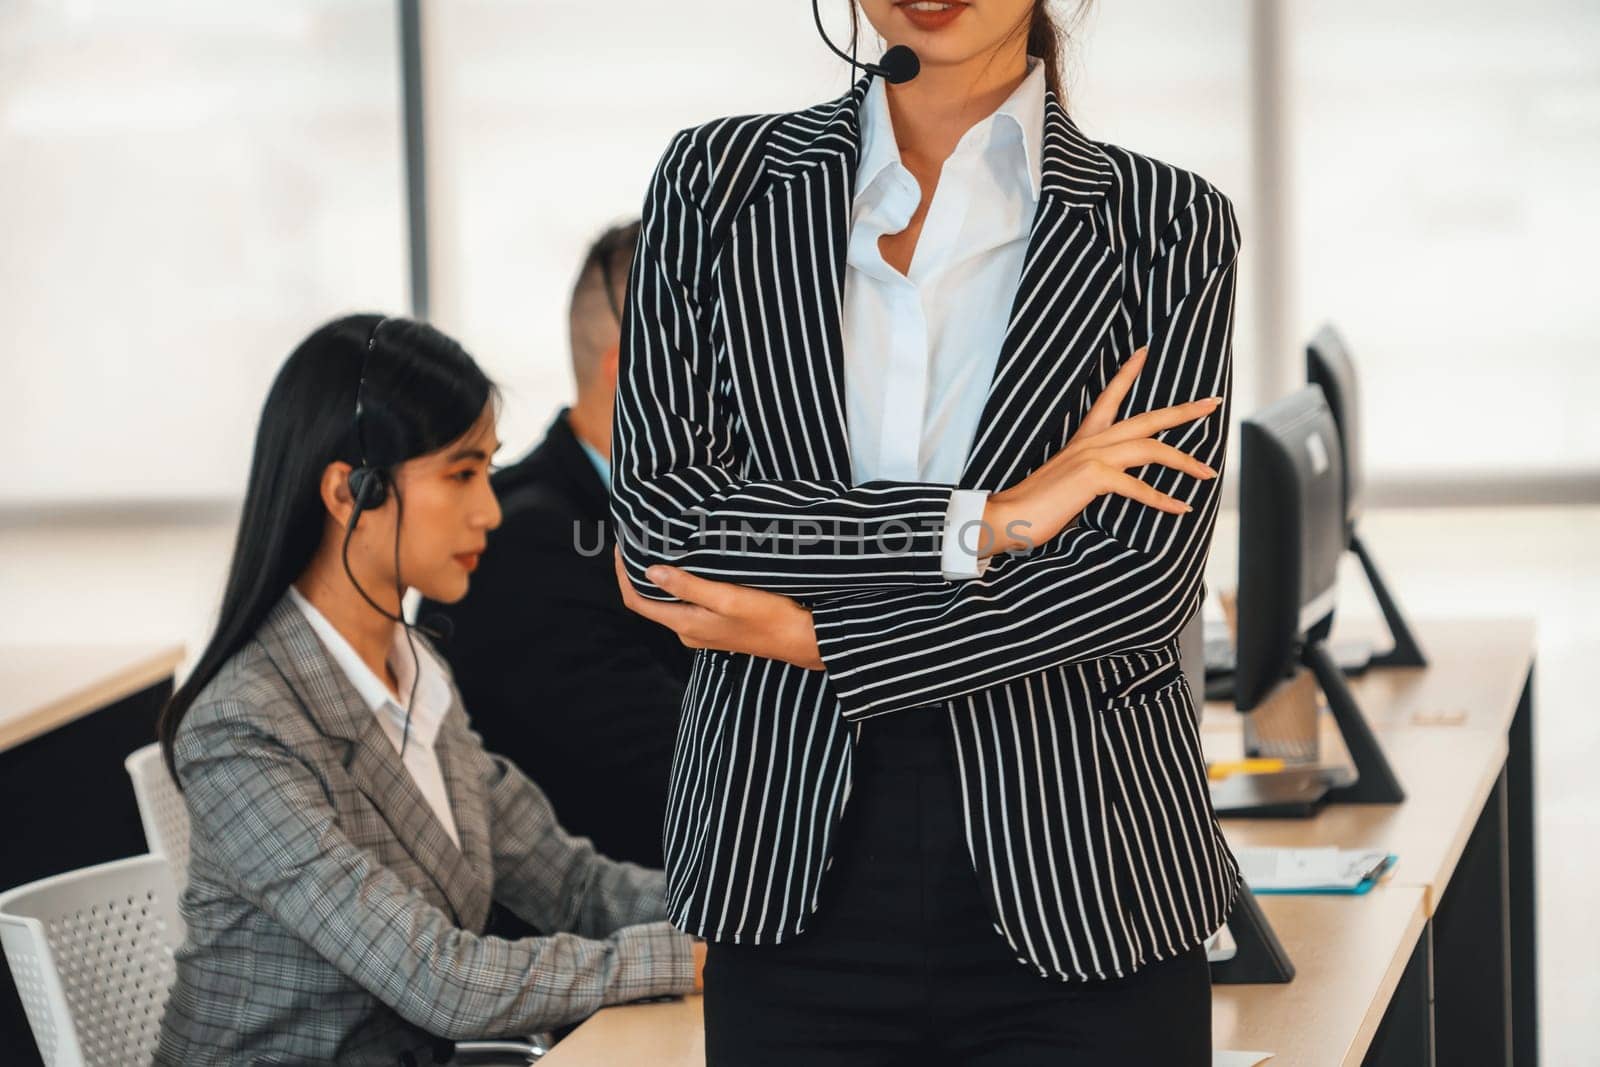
(903, 964)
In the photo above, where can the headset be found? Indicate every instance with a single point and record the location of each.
(899, 64)
(369, 485)
(369, 490)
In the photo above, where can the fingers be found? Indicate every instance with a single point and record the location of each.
(679, 583)
(720, 615)
(1148, 423)
(1132, 488)
(683, 619)
(1130, 368)
(689, 621)
(1104, 411)
(688, 587)
(1127, 454)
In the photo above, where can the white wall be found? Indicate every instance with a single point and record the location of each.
(186, 188)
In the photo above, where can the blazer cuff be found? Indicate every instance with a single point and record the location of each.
(964, 535)
(843, 626)
(653, 960)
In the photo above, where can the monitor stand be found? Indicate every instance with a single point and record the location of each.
(1260, 957)
(1406, 651)
(1302, 788)
(1353, 655)
(1292, 793)
(1375, 782)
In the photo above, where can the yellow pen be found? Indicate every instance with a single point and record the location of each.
(1243, 766)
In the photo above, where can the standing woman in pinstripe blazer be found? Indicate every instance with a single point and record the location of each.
(921, 412)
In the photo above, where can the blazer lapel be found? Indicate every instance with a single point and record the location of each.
(470, 805)
(376, 769)
(370, 758)
(1064, 305)
(783, 289)
(798, 235)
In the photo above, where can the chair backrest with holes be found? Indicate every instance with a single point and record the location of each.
(161, 809)
(91, 952)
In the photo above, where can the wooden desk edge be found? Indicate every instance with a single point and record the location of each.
(141, 674)
(1439, 881)
(1362, 1041)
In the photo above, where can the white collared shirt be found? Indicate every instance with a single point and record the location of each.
(602, 466)
(432, 703)
(920, 349)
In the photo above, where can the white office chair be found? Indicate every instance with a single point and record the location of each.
(91, 954)
(161, 810)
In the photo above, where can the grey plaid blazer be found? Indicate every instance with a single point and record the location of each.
(331, 918)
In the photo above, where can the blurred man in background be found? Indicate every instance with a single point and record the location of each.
(582, 693)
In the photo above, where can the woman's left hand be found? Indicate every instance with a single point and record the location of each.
(721, 615)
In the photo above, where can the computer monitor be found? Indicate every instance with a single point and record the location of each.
(1291, 538)
(1329, 365)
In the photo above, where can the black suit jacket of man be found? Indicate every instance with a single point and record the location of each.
(555, 672)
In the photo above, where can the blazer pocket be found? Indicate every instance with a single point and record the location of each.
(1143, 686)
(716, 660)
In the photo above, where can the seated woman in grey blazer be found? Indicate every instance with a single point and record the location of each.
(348, 830)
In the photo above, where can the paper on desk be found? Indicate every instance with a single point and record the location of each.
(1232, 1058)
(1307, 868)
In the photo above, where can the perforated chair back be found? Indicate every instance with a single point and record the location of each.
(91, 952)
(161, 809)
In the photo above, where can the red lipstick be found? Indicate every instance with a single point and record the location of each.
(928, 16)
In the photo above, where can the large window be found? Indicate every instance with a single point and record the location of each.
(1446, 168)
(1171, 80)
(546, 121)
(185, 190)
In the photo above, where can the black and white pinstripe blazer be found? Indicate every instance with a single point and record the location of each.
(1088, 817)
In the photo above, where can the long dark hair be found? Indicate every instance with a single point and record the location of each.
(1048, 37)
(422, 391)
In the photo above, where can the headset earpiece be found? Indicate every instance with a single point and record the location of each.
(368, 488)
